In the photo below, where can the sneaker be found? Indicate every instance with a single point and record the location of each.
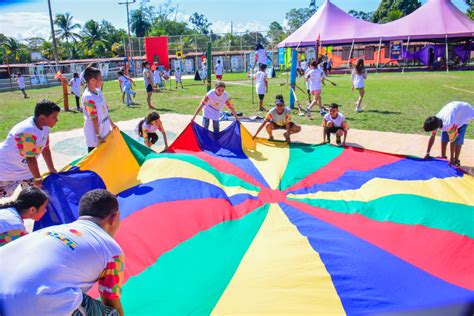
(270, 138)
(308, 112)
(338, 139)
(322, 112)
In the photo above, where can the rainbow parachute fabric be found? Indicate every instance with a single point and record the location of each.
(224, 224)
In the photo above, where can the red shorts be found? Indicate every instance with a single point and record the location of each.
(219, 77)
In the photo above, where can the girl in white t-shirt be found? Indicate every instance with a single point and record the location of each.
(177, 77)
(31, 203)
(261, 85)
(212, 105)
(75, 85)
(334, 123)
(359, 74)
(148, 127)
(314, 78)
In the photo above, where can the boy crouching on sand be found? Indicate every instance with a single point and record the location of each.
(334, 123)
(279, 118)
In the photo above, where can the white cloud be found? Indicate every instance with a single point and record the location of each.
(183, 17)
(224, 27)
(22, 25)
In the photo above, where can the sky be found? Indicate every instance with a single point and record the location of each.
(28, 18)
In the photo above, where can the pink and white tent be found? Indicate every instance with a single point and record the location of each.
(435, 19)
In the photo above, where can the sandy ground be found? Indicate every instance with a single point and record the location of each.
(69, 145)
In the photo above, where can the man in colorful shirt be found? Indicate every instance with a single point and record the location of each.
(24, 143)
(452, 120)
(49, 272)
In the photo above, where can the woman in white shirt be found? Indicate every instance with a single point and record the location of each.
(359, 74)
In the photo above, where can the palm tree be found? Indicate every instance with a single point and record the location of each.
(91, 33)
(13, 48)
(139, 22)
(66, 28)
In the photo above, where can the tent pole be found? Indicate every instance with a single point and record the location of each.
(378, 56)
(350, 54)
(447, 64)
(404, 55)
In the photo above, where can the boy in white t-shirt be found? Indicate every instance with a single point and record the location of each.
(219, 70)
(21, 84)
(212, 105)
(279, 118)
(452, 120)
(20, 150)
(334, 122)
(64, 262)
(30, 204)
(314, 78)
(97, 123)
(261, 85)
(177, 77)
(75, 84)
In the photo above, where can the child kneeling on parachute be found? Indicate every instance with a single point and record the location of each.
(334, 123)
(279, 118)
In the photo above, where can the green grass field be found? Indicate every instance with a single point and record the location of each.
(394, 102)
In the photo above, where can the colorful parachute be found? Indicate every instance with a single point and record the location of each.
(228, 225)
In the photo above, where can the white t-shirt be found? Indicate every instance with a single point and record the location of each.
(358, 80)
(62, 263)
(145, 80)
(261, 56)
(314, 79)
(279, 119)
(219, 70)
(21, 82)
(213, 104)
(260, 82)
(304, 65)
(455, 113)
(157, 77)
(11, 225)
(305, 74)
(121, 80)
(94, 106)
(75, 86)
(24, 140)
(177, 75)
(340, 118)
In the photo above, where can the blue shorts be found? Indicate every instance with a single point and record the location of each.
(459, 140)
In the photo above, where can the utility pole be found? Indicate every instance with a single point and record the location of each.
(127, 4)
(53, 36)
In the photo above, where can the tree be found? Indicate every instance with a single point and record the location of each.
(366, 16)
(91, 33)
(470, 9)
(169, 27)
(200, 23)
(381, 15)
(66, 29)
(276, 33)
(140, 22)
(297, 17)
(15, 50)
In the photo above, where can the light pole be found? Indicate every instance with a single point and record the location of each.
(55, 46)
(127, 4)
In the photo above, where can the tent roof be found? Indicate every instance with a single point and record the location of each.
(435, 19)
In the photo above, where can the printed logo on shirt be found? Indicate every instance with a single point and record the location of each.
(26, 144)
(75, 232)
(64, 239)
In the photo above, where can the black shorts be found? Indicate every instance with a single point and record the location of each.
(276, 126)
(333, 129)
(149, 88)
(261, 97)
(152, 137)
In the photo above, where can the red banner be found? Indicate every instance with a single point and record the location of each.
(157, 50)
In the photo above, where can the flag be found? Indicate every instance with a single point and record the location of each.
(58, 75)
